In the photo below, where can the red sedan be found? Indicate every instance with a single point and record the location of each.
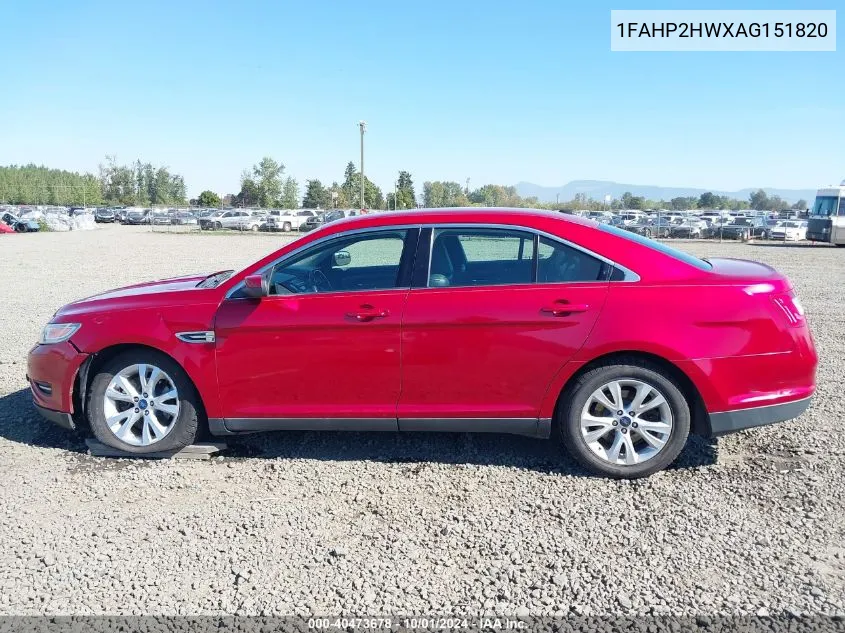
(507, 321)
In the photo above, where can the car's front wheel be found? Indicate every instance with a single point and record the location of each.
(143, 402)
(624, 420)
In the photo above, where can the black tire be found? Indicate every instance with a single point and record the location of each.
(576, 396)
(217, 225)
(286, 227)
(186, 423)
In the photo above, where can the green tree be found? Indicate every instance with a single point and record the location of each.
(208, 199)
(444, 194)
(268, 177)
(290, 193)
(405, 191)
(759, 200)
(316, 195)
(776, 203)
(800, 205)
(351, 185)
(248, 195)
(708, 201)
(349, 193)
(683, 203)
(31, 184)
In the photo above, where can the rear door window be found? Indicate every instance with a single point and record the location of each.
(481, 257)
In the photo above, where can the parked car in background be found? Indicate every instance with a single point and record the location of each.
(313, 222)
(659, 227)
(290, 220)
(690, 227)
(120, 215)
(19, 225)
(789, 231)
(183, 217)
(743, 228)
(159, 218)
(339, 214)
(137, 216)
(163, 361)
(629, 217)
(228, 219)
(104, 215)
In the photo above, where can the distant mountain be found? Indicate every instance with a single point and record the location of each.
(598, 189)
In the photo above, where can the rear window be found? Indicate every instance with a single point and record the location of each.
(657, 246)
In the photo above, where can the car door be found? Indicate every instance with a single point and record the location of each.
(500, 311)
(325, 344)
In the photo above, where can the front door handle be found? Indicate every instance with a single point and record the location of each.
(561, 308)
(368, 313)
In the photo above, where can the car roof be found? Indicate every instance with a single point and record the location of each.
(471, 215)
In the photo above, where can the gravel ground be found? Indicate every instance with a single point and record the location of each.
(387, 524)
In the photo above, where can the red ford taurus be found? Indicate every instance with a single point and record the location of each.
(506, 321)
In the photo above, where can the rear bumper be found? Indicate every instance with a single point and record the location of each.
(732, 421)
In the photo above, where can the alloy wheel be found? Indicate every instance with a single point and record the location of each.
(626, 422)
(141, 405)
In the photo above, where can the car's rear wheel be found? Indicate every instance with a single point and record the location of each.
(625, 420)
(143, 402)
(286, 227)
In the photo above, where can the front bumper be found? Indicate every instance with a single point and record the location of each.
(732, 421)
(64, 420)
(51, 372)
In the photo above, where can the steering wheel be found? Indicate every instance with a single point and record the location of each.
(319, 282)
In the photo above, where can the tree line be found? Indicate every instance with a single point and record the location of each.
(32, 184)
(266, 185)
(137, 183)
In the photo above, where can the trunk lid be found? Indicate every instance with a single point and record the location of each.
(743, 271)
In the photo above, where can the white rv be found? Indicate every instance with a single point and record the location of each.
(827, 217)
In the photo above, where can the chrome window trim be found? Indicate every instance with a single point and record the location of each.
(317, 242)
(629, 275)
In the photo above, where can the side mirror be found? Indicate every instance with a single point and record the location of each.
(342, 258)
(256, 286)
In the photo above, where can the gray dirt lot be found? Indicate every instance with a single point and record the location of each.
(384, 524)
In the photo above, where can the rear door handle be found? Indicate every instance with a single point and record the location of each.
(368, 313)
(561, 308)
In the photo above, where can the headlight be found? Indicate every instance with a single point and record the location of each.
(58, 332)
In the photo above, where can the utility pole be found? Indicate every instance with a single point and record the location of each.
(363, 126)
(467, 189)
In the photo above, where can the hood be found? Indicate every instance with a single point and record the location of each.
(178, 290)
(174, 284)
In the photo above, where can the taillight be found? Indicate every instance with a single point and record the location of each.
(791, 308)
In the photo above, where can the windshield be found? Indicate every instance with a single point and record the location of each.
(657, 246)
(825, 206)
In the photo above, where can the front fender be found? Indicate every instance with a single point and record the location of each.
(157, 329)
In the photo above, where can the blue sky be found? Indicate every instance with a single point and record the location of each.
(493, 91)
